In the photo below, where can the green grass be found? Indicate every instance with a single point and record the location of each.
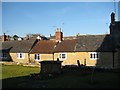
(19, 77)
(10, 71)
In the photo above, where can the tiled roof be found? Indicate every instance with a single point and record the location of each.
(94, 43)
(66, 46)
(44, 46)
(18, 46)
(82, 43)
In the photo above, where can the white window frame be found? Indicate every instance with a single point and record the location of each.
(19, 55)
(95, 55)
(37, 57)
(60, 56)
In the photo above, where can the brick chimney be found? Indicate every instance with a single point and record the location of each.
(58, 35)
(112, 18)
(3, 37)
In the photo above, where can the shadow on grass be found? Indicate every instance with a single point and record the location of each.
(30, 81)
(69, 78)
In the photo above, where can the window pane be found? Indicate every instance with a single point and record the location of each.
(38, 56)
(20, 55)
(63, 56)
(94, 55)
(91, 55)
(35, 56)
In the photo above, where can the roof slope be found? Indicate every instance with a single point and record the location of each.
(82, 43)
(18, 46)
(44, 46)
(94, 43)
(66, 46)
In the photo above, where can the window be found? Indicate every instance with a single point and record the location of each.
(20, 55)
(37, 56)
(63, 56)
(94, 55)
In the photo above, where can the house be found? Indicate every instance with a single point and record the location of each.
(18, 50)
(43, 50)
(115, 33)
(95, 50)
(88, 50)
(51, 49)
(65, 51)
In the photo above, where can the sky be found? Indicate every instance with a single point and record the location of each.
(23, 18)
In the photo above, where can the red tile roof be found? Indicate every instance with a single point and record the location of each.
(66, 46)
(44, 46)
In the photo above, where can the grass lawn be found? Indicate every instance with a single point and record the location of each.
(10, 71)
(19, 77)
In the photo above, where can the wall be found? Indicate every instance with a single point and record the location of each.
(70, 58)
(105, 60)
(15, 59)
(46, 56)
(73, 57)
(82, 56)
(117, 59)
(42, 57)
